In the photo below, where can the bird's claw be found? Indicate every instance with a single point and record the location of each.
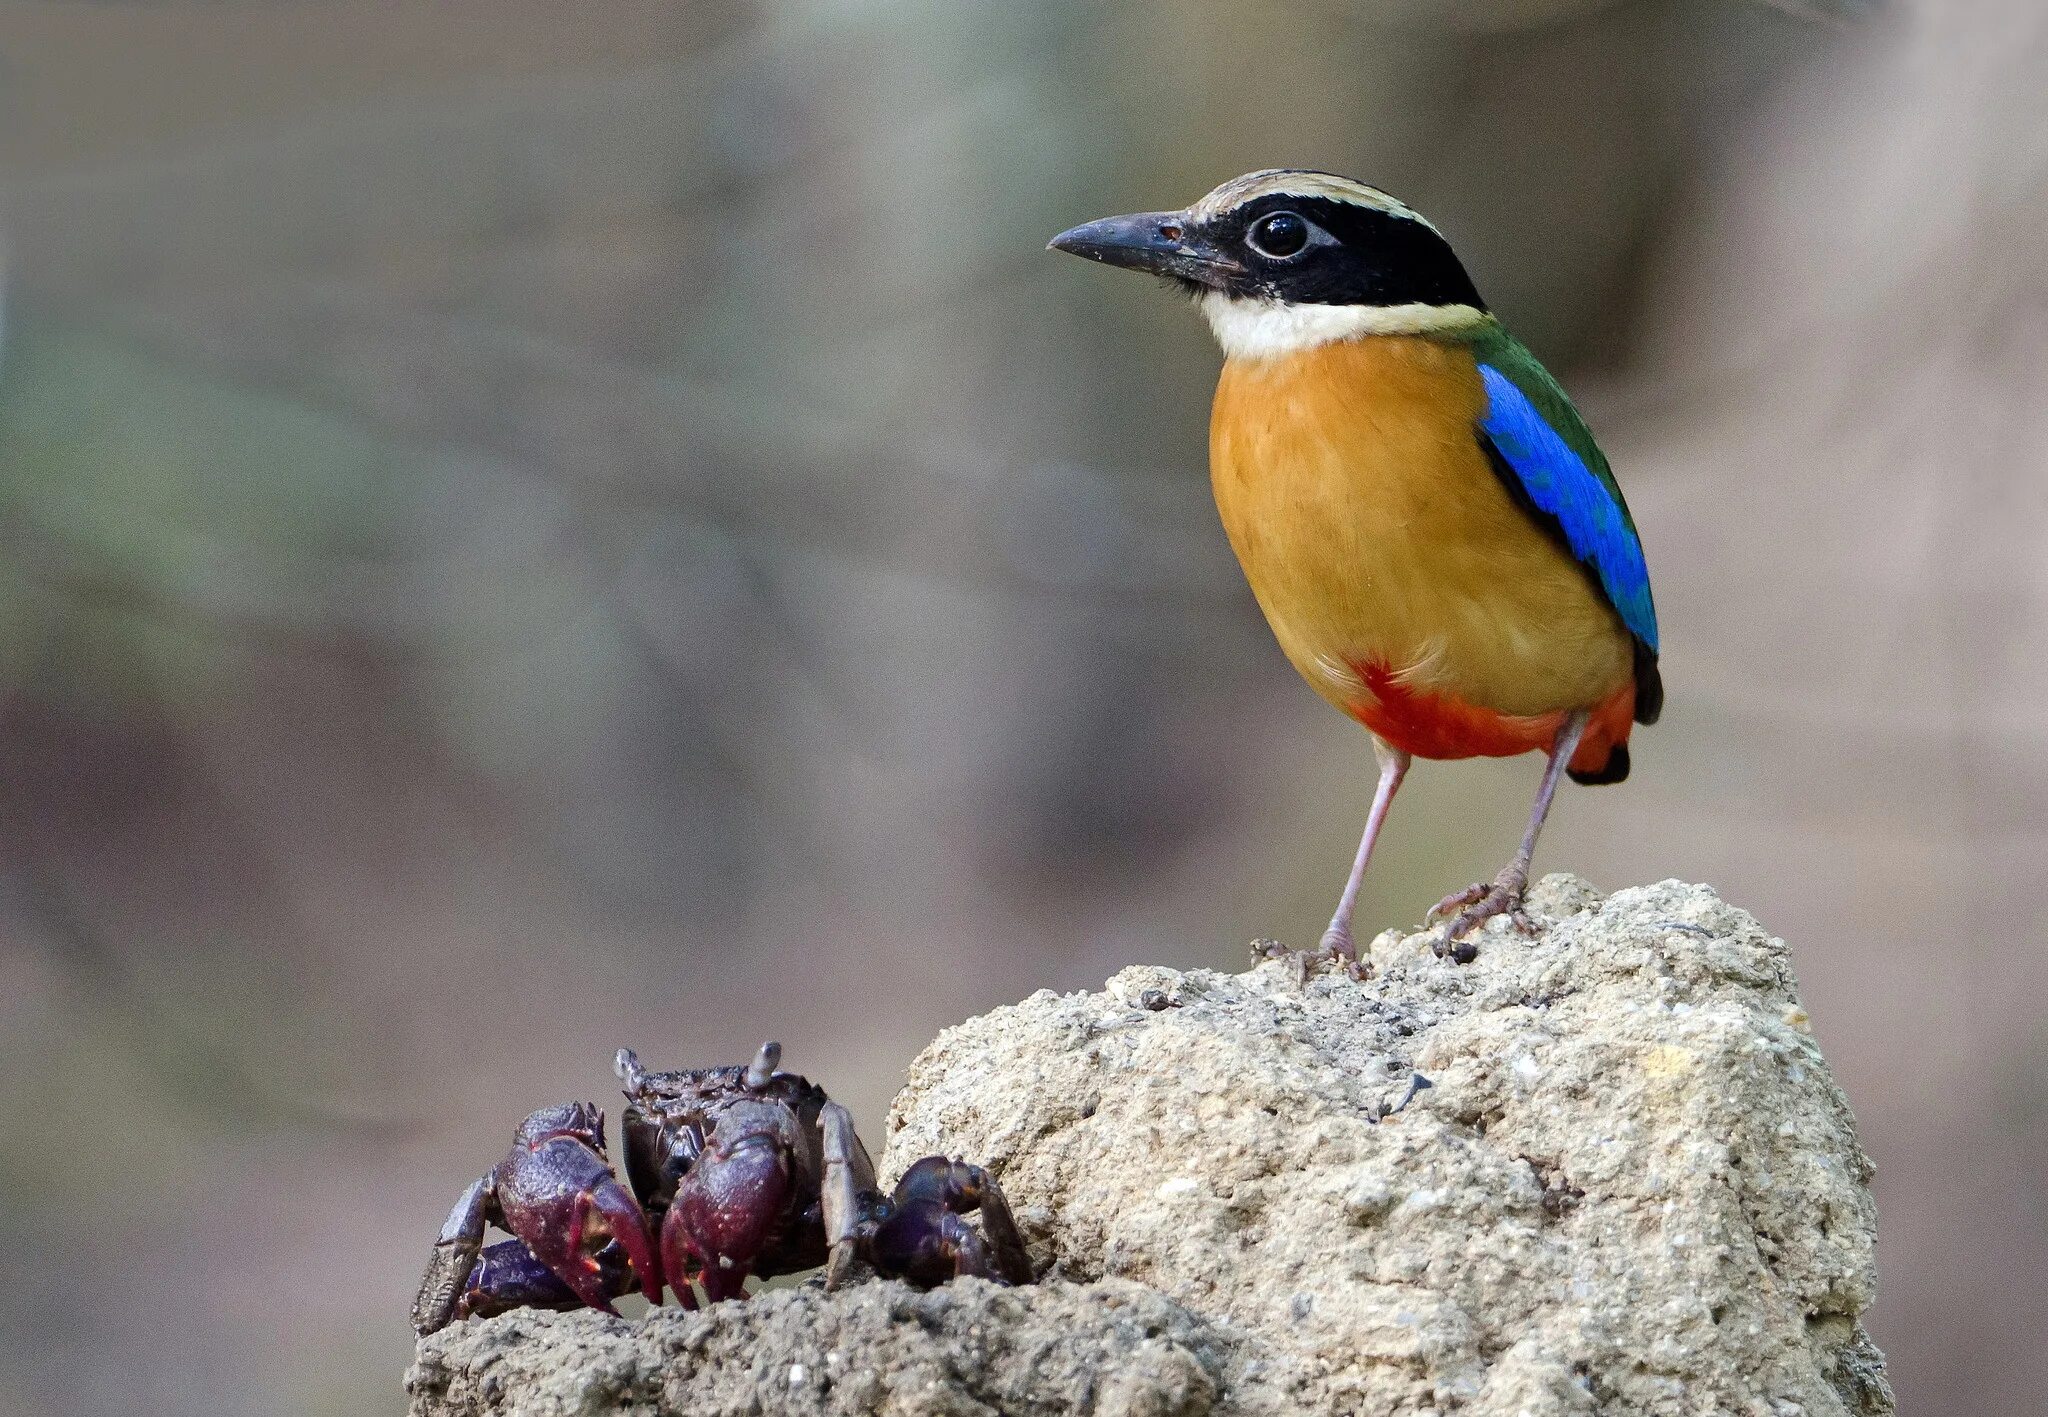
(1335, 951)
(1480, 903)
(1457, 900)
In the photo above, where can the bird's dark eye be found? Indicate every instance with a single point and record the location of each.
(1278, 236)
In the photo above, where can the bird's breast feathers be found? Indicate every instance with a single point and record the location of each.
(1384, 545)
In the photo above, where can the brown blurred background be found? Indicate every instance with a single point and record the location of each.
(528, 527)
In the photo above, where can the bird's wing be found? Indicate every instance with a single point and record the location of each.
(1558, 471)
(1546, 455)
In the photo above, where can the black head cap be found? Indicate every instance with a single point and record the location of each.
(1292, 236)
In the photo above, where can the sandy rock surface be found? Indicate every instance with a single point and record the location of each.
(1055, 1349)
(1631, 1188)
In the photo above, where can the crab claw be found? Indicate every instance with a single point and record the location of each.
(734, 1203)
(928, 1244)
(961, 1187)
(923, 1238)
(627, 1226)
(559, 1196)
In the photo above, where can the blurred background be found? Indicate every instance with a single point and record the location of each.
(526, 528)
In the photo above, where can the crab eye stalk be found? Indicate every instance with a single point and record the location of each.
(761, 1071)
(626, 1064)
(1279, 236)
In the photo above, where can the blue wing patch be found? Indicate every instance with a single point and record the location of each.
(1559, 484)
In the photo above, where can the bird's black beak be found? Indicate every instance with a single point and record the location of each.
(1161, 243)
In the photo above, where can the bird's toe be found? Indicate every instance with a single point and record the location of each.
(1458, 900)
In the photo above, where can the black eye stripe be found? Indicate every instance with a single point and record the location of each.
(1351, 255)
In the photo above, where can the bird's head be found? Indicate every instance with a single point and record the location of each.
(1288, 259)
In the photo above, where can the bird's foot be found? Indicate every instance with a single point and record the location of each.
(1336, 952)
(1479, 903)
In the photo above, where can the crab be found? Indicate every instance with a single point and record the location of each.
(735, 1172)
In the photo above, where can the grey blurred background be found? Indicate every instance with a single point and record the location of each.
(532, 527)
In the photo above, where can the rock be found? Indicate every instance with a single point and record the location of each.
(879, 1348)
(1632, 1188)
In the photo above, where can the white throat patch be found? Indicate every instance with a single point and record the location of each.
(1266, 329)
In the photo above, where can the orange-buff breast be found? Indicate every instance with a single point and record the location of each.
(1399, 576)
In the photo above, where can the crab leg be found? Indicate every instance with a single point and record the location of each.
(849, 1193)
(454, 1256)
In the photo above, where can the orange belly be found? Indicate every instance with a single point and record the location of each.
(1400, 577)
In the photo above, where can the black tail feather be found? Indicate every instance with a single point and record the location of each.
(1649, 687)
(1613, 770)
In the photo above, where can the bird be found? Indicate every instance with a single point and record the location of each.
(1436, 540)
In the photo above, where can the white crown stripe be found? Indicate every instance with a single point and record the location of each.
(1307, 185)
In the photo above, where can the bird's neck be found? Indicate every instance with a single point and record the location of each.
(1270, 329)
